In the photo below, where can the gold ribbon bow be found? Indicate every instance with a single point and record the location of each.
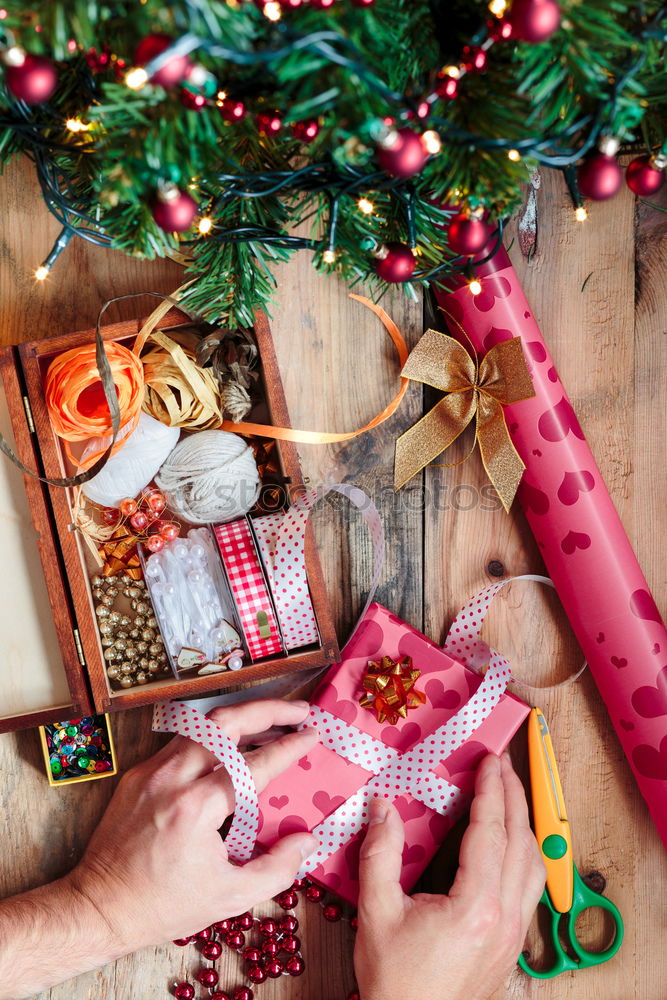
(390, 688)
(475, 390)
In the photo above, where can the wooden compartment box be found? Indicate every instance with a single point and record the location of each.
(51, 663)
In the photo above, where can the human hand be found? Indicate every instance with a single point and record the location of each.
(157, 867)
(460, 946)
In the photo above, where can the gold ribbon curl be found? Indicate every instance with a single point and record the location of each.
(390, 688)
(476, 390)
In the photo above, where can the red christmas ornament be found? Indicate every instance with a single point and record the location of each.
(332, 912)
(204, 935)
(193, 102)
(267, 926)
(306, 131)
(219, 995)
(288, 924)
(290, 944)
(288, 900)
(139, 520)
(270, 947)
(232, 111)
(534, 20)
(394, 266)
(269, 122)
(174, 210)
(243, 922)
(402, 153)
(243, 993)
(110, 516)
(354, 923)
(467, 235)
(221, 926)
(644, 176)
(274, 968)
(599, 176)
(181, 942)
(208, 977)
(173, 71)
(235, 940)
(32, 79)
(295, 965)
(252, 955)
(156, 503)
(128, 506)
(184, 991)
(155, 543)
(315, 893)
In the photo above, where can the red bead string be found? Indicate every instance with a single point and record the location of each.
(275, 950)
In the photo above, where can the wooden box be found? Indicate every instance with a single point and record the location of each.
(51, 663)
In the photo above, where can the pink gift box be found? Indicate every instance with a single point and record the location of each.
(304, 795)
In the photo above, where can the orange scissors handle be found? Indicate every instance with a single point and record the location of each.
(552, 829)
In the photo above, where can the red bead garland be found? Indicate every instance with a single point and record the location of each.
(277, 953)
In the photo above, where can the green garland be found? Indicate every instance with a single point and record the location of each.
(345, 67)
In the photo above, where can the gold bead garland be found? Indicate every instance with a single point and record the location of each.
(134, 651)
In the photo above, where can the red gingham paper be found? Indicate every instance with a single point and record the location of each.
(251, 594)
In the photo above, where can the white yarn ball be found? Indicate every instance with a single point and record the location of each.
(132, 468)
(210, 477)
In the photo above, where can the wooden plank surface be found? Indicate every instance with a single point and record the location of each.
(610, 346)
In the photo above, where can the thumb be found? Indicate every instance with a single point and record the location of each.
(380, 863)
(275, 870)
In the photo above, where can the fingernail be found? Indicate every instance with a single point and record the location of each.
(494, 766)
(309, 847)
(378, 812)
(303, 705)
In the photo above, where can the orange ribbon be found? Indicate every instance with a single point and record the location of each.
(390, 688)
(119, 555)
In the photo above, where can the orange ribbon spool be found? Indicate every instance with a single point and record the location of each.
(75, 398)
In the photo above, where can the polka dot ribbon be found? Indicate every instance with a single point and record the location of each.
(281, 539)
(185, 720)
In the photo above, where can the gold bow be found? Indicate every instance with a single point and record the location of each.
(390, 688)
(475, 389)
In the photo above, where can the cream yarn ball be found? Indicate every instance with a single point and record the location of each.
(210, 477)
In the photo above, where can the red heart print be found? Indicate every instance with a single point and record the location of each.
(628, 726)
(279, 801)
(496, 336)
(305, 764)
(557, 423)
(532, 498)
(651, 762)
(651, 702)
(537, 452)
(344, 709)
(465, 759)
(413, 854)
(412, 644)
(619, 662)
(643, 606)
(575, 540)
(656, 649)
(292, 824)
(493, 287)
(327, 803)
(600, 637)
(401, 737)
(573, 484)
(412, 809)
(438, 826)
(536, 350)
(367, 640)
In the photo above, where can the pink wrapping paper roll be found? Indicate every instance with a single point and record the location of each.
(579, 532)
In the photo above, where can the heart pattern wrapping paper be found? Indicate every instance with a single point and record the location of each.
(579, 533)
(322, 783)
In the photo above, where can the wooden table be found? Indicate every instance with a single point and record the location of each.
(599, 291)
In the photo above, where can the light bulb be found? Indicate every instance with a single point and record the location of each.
(365, 206)
(76, 125)
(42, 272)
(514, 155)
(136, 78)
(205, 225)
(453, 71)
(431, 142)
(498, 7)
(475, 286)
(272, 10)
(329, 256)
(580, 214)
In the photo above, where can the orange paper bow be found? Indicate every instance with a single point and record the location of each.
(390, 688)
(119, 555)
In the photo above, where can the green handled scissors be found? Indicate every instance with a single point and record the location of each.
(566, 895)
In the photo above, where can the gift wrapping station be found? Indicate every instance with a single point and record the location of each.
(113, 603)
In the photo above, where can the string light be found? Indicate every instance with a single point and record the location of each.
(431, 142)
(329, 256)
(365, 206)
(221, 96)
(498, 7)
(76, 125)
(514, 155)
(136, 78)
(580, 214)
(475, 286)
(272, 10)
(42, 272)
(453, 71)
(205, 225)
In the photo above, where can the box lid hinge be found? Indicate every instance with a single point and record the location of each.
(28, 414)
(79, 647)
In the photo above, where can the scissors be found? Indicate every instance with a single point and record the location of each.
(566, 895)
